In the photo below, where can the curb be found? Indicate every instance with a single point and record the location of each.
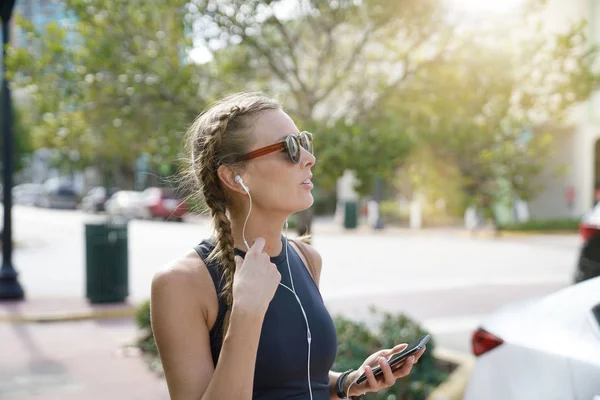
(454, 387)
(121, 311)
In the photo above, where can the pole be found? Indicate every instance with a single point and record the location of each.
(10, 289)
(379, 198)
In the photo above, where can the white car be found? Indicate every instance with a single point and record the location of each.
(126, 203)
(27, 193)
(545, 348)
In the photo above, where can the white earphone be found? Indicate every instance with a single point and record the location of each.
(239, 180)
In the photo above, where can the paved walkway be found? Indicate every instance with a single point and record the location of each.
(75, 359)
(50, 309)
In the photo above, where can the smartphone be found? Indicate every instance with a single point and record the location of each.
(397, 359)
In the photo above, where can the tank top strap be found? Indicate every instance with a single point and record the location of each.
(216, 332)
(204, 249)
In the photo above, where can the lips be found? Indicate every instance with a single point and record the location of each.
(306, 181)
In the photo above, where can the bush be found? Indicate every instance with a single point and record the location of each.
(563, 225)
(355, 343)
(146, 340)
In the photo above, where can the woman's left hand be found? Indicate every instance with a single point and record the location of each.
(388, 378)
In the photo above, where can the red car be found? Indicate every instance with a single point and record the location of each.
(164, 203)
(589, 259)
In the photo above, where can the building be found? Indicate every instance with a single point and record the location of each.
(575, 192)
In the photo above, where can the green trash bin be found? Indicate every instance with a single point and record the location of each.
(106, 256)
(351, 214)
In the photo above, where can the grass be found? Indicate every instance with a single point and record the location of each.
(563, 225)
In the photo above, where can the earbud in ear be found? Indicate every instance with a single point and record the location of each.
(239, 180)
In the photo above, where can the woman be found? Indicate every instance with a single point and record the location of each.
(258, 313)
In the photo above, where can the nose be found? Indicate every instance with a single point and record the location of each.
(307, 159)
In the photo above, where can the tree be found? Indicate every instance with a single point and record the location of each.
(491, 107)
(332, 62)
(113, 80)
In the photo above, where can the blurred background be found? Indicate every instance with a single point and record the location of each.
(457, 144)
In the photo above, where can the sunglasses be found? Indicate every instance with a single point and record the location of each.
(291, 144)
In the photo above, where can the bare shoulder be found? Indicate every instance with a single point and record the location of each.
(183, 307)
(184, 279)
(185, 271)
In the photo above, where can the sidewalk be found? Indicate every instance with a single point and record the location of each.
(75, 359)
(52, 309)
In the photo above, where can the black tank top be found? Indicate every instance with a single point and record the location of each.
(281, 362)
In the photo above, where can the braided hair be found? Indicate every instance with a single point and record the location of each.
(219, 136)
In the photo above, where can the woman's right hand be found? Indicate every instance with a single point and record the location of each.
(255, 280)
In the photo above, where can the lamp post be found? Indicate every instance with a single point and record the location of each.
(10, 289)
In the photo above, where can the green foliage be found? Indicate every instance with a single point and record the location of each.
(142, 315)
(114, 83)
(325, 64)
(22, 141)
(379, 82)
(558, 225)
(357, 342)
(371, 150)
(496, 105)
(143, 320)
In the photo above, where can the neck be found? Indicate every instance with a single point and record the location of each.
(260, 224)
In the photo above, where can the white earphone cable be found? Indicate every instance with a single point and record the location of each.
(246, 221)
(292, 289)
(348, 391)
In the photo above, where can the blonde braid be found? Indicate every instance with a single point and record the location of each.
(219, 137)
(216, 201)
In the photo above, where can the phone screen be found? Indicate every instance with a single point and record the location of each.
(398, 358)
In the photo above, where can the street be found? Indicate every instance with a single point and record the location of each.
(445, 279)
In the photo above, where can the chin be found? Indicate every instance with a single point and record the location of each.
(306, 204)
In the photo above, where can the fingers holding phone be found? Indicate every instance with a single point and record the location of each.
(383, 368)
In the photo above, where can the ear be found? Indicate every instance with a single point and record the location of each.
(227, 177)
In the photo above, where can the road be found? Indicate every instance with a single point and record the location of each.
(445, 279)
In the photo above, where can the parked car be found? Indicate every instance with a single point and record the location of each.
(58, 193)
(588, 265)
(27, 194)
(164, 203)
(126, 203)
(542, 348)
(96, 198)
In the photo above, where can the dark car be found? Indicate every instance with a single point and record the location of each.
(589, 259)
(58, 193)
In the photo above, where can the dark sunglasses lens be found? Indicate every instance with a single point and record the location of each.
(293, 150)
(306, 142)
